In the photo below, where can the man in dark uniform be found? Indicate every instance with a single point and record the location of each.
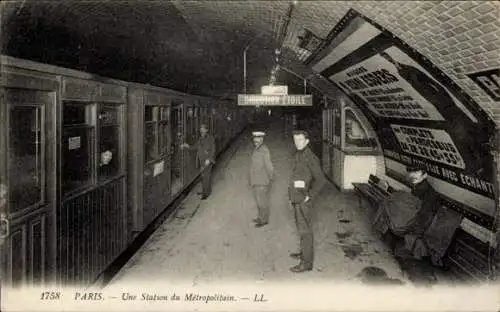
(205, 152)
(261, 176)
(306, 182)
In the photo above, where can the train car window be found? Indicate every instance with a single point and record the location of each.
(4, 187)
(331, 121)
(355, 134)
(164, 113)
(150, 137)
(189, 124)
(109, 142)
(150, 113)
(109, 115)
(164, 137)
(156, 132)
(163, 129)
(77, 146)
(177, 153)
(325, 125)
(27, 163)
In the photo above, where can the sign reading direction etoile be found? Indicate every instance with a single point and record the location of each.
(274, 100)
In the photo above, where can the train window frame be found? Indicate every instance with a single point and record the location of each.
(192, 123)
(90, 125)
(120, 126)
(40, 144)
(367, 137)
(95, 125)
(4, 137)
(159, 118)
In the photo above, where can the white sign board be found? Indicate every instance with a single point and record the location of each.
(274, 90)
(274, 100)
(74, 143)
(158, 168)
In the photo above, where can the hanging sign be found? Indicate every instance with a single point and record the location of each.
(274, 100)
(274, 90)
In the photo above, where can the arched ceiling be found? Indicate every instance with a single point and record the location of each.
(197, 46)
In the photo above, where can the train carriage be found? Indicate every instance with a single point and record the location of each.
(29, 172)
(88, 163)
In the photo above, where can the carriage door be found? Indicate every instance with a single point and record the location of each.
(177, 122)
(191, 135)
(157, 160)
(27, 185)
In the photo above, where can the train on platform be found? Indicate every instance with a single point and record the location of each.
(88, 162)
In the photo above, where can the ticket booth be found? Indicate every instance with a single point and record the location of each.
(353, 153)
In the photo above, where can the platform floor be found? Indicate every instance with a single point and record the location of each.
(215, 240)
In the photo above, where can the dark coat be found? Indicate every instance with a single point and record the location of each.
(261, 167)
(205, 149)
(306, 168)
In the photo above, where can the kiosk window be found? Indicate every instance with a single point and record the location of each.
(355, 135)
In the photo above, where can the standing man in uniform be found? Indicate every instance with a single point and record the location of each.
(306, 182)
(205, 151)
(261, 177)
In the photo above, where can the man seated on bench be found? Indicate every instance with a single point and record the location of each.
(404, 217)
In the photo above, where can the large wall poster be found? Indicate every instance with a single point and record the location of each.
(419, 115)
(489, 81)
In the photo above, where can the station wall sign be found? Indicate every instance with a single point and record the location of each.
(274, 90)
(419, 114)
(274, 100)
(489, 81)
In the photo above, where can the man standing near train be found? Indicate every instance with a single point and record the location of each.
(306, 182)
(261, 177)
(205, 152)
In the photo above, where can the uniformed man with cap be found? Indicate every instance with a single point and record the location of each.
(205, 155)
(306, 182)
(261, 177)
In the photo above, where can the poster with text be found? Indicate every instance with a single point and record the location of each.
(419, 115)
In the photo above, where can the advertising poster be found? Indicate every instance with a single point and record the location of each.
(420, 116)
(489, 81)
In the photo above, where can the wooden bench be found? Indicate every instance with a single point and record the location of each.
(375, 190)
(466, 257)
(469, 254)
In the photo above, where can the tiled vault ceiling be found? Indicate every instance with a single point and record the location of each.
(197, 46)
